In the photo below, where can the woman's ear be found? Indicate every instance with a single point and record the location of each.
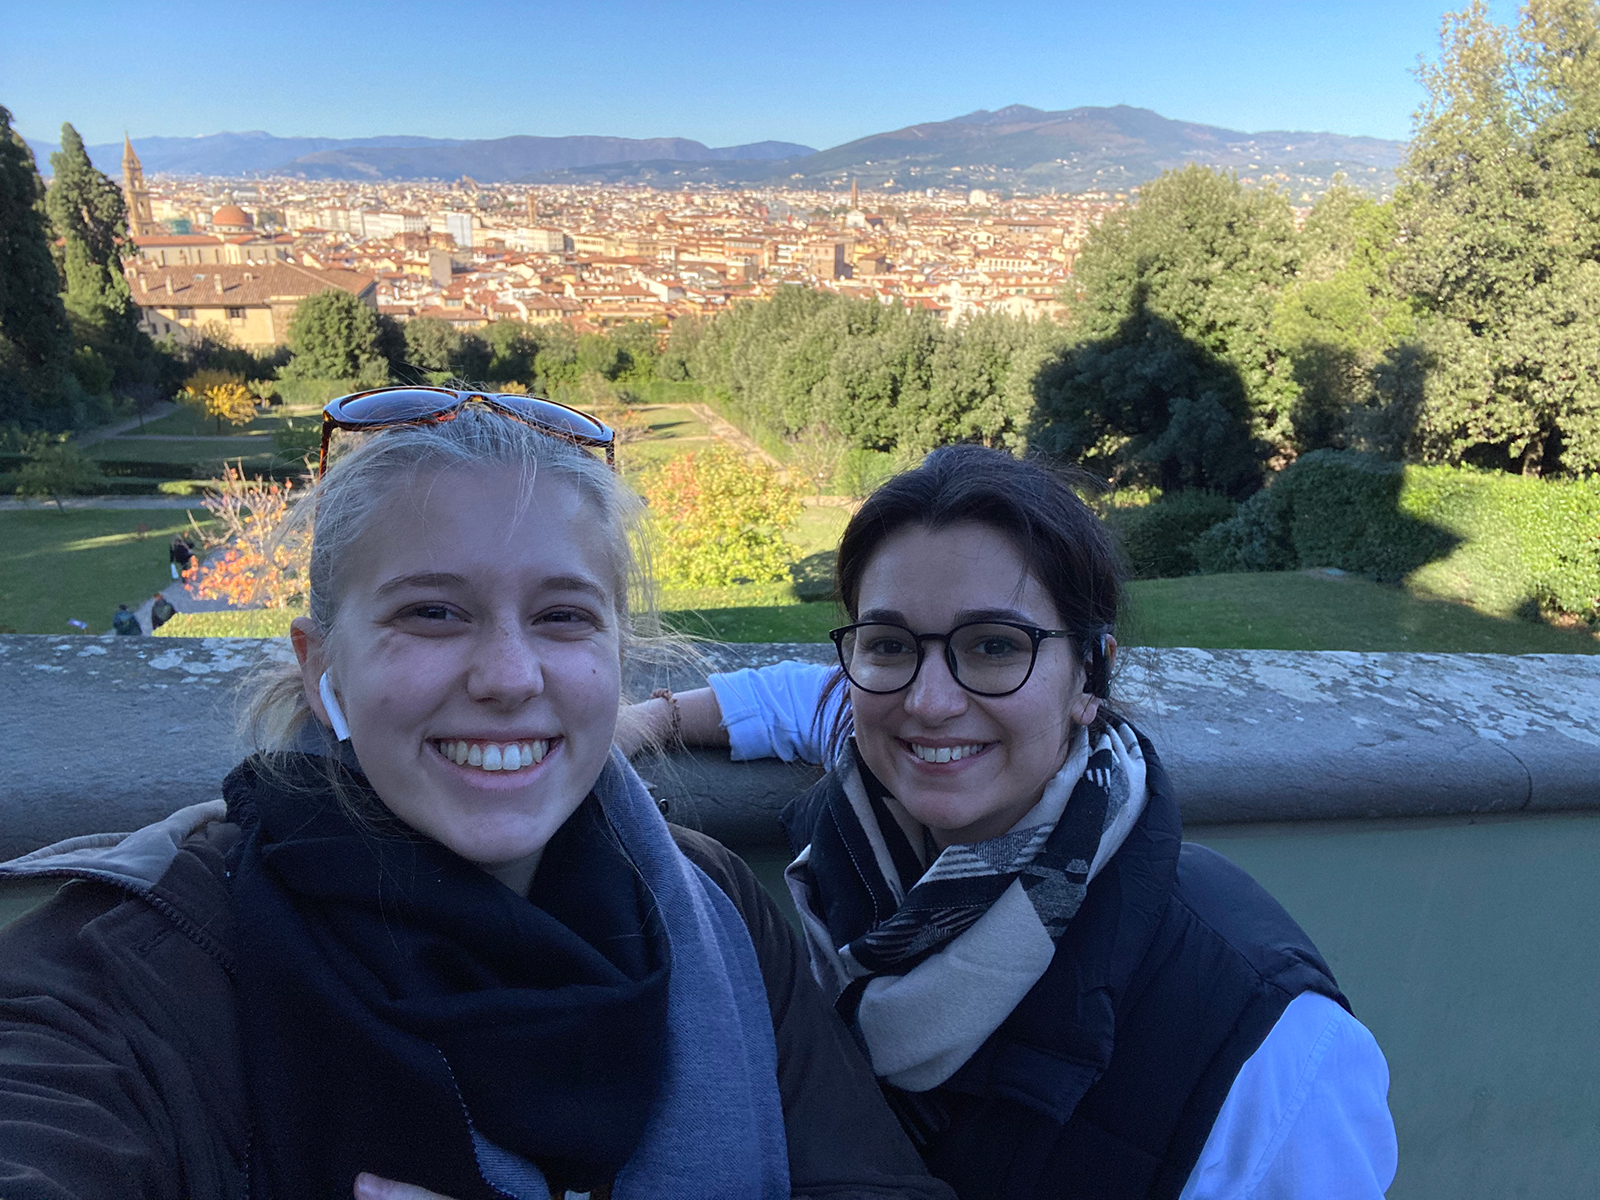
(309, 650)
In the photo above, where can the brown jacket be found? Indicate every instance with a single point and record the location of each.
(120, 1063)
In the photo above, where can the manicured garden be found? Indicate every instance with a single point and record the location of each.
(80, 564)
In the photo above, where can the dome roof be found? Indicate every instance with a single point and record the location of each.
(232, 216)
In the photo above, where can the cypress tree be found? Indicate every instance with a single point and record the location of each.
(90, 217)
(33, 327)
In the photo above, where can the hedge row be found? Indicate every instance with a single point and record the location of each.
(245, 623)
(1508, 544)
(1157, 537)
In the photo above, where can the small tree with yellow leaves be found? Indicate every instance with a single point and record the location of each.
(721, 519)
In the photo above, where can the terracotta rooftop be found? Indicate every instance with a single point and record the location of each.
(237, 285)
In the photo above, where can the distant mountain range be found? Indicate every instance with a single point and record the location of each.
(494, 160)
(1014, 149)
(1025, 149)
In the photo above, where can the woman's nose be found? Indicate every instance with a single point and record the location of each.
(506, 668)
(934, 695)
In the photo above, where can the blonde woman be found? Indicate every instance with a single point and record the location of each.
(435, 939)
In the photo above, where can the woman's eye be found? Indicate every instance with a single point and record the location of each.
(430, 612)
(566, 619)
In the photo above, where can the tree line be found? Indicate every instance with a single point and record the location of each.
(69, 328)
(1211, 335)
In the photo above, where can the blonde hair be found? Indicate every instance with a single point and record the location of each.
(360, 483)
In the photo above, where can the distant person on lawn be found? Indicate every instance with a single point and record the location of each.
(124, 622)
(181, 554)
(161, 611)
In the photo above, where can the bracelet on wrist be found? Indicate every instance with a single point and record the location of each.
(675, 730)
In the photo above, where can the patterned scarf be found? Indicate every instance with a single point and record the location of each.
(926, 961)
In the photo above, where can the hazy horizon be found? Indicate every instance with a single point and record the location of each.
(822, 74)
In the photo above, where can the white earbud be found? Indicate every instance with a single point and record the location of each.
(335, 713)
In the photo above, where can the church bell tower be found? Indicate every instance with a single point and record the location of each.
(140, 222)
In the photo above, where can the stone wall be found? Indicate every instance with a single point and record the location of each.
(112, 733)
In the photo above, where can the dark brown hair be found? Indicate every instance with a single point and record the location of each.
(1032, 503)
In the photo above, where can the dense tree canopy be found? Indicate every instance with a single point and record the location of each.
(89, 217)
(1500, 213)
(34, 339)
(336, 336)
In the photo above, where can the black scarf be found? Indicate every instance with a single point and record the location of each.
(395, 999)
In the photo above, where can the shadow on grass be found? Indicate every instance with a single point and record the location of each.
(1316, 610)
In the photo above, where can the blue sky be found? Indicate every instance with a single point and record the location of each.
(820, 73)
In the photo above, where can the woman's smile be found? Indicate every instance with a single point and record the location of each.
(937, 752)
(495, 762)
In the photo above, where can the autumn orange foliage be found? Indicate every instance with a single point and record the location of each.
(252, 557)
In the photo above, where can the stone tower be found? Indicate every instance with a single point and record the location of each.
(140, 222)
(855, 193)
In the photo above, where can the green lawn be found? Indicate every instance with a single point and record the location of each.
(1311, 610)
(1283, 611)
(81, 563)
(189, 421)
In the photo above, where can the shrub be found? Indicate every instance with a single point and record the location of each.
(1330, 508)
(1508, 544)
(721, 519)
(862, 472)
(55, 468)
(241, 623)
(250, 563)
(1157, 537)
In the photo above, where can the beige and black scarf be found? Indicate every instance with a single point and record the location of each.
(925, 958)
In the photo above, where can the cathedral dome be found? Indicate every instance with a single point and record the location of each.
(231, 216)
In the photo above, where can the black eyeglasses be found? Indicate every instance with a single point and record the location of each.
(987, 658)
(381, 407)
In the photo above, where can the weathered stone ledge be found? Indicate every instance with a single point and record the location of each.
(109, 734)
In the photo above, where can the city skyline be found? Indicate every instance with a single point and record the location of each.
(820, 74)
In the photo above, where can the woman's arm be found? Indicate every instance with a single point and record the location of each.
(1307, 1115)
(758, 712)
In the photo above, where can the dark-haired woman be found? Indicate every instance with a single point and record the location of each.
(1059, 997)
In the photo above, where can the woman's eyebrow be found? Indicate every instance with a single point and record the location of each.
(422, 579)
(447, 579)
(993, 614)
(883, 616)
(576, 583)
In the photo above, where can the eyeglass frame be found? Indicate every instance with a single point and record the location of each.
(447, 412)
(1036, 635)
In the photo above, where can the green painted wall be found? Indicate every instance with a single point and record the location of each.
(1471, 948)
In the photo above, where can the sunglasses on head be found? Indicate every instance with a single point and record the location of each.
(381, 407)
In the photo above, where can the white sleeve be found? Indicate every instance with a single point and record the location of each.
(1308, 1115)
(771, 712)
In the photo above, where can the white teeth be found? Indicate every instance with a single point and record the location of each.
(944, 754)
(489, 756)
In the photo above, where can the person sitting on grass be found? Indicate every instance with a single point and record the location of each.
(124, 622)
(1060, 998)
(436, 935)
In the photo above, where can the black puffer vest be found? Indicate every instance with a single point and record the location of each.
(1105, 1081)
